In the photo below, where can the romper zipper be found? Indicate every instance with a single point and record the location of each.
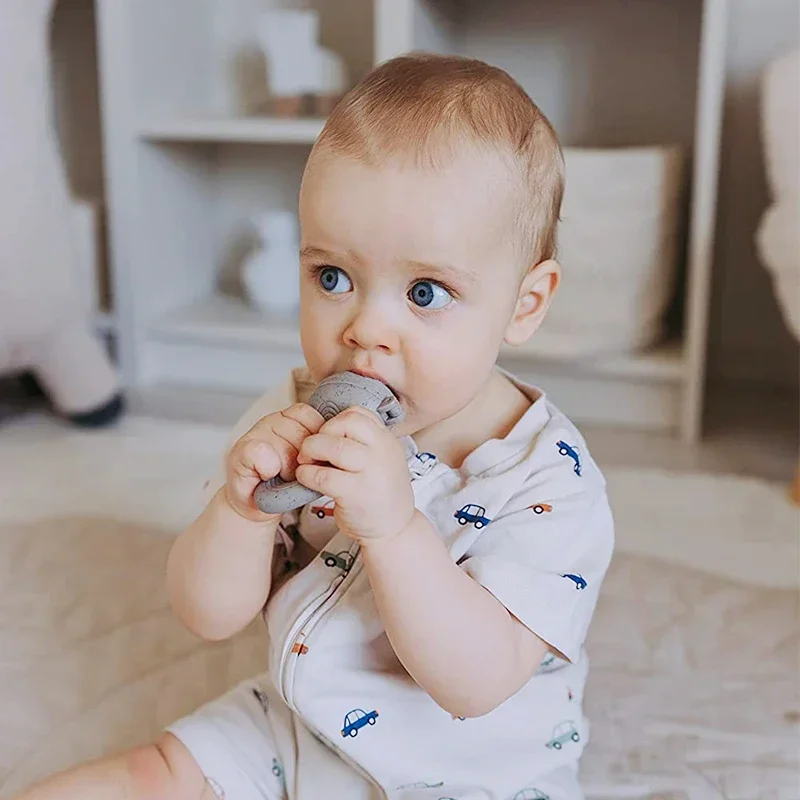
(313, 609)
(294, 645)
(312, 613)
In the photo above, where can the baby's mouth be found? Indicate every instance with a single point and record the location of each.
(368, 374)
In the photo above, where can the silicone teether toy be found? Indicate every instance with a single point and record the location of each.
(333, 395)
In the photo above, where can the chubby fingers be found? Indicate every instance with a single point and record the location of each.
(338, 451)
(357, 423)
(251, 457)
(295, 423)
(285, 433)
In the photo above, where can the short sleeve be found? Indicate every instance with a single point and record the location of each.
(545, 558)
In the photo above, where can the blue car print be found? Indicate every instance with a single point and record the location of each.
(530, 794)
(567, 450)
(356, 720)
(423, 463)
(474, 514)
(578, 580)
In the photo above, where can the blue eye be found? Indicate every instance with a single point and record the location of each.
(334, 280)
(427, 294)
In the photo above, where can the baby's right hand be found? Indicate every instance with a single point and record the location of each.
(269, 448)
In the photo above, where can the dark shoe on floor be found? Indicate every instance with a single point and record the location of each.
(101, 417)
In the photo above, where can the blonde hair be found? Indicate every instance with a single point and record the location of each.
(424, 105)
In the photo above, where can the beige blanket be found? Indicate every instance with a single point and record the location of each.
(692, 694)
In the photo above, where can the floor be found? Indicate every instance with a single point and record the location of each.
(736, 441)
(693, 649)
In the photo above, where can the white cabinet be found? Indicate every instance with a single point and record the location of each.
(188, 161)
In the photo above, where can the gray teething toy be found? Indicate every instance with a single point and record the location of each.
(333, 395)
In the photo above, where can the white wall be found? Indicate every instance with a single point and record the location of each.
(748, 338)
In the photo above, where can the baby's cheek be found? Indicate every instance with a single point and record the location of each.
(458, 365)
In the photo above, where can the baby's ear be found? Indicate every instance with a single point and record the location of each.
(535, 294)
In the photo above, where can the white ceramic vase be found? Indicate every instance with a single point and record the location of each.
(271, 273)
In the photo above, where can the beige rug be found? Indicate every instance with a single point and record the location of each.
(693, 690)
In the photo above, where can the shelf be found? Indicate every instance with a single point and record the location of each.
(186, 166)
(256, 130)
(223, 320)
(664, 362)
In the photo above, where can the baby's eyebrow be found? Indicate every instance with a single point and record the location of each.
(444, 271)
(310, 251)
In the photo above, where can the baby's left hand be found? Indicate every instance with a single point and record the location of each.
(368, 477)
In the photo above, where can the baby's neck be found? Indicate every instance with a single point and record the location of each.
(491, 414)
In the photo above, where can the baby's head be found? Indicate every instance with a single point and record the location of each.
(428, 215)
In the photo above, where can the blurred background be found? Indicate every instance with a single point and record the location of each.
(150, 159)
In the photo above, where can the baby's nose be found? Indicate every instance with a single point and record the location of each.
(373, 328)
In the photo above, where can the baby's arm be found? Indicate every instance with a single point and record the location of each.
(457, 641)
(219, 570)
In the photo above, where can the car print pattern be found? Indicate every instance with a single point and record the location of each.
(472, 513)
(475, 514)
(323, 510)
(578, 580)
(572, 452)
(357, 719)
(421, 464)
(342, 560)
(563, 734)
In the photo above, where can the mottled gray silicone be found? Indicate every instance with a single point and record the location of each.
(333, 395)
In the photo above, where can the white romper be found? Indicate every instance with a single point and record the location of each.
(336, 716)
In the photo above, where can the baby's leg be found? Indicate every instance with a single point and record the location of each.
(163, 771)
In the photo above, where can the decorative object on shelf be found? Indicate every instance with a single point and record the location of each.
(44, 328)
(778, 235)
(271, 274)
(618, 245)
(304, 78)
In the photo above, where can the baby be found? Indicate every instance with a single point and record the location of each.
(427, 615)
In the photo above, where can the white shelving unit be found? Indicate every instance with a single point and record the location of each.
(233, 130)
(187, 163)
